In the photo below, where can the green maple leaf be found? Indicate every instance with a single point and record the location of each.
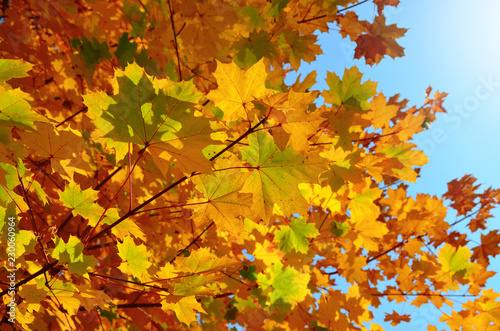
(15, 109)
(82, 202)
(26, 242)
(72, 253)
(277, 7)
(248, 272)
(339, 229)
(13, 69)
(349, 91)
(276, 175)
(92, 52)
(135, 258)
(126, 50)
(299, 47)
(294, 236)
(285, 285)
(156, 114)
(254, 48)
(110, 315)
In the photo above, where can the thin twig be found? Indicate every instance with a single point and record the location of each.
(36, 274)
(192, 241)
(107, 178)
(171, 13)
(68, 118)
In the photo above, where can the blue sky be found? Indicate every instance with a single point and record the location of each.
(454, 47)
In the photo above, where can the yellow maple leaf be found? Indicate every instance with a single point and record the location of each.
(237, 89)
(184, 309)
(267, 253)
(381, 112)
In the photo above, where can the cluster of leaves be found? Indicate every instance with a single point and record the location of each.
(164, 176)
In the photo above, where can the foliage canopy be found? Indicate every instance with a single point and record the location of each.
(163, 175)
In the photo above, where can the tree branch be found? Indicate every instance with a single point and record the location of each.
(399, 244)
(465, 217)
(355, 5)
(171, 14)
(324, 15)
(36, 274)
(107, 178)
(139, 305)
(94, 274)
(171, 186)
(192, 242)
(84, 109)
(424, 294)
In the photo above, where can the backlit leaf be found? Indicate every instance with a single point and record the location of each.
(295, 236)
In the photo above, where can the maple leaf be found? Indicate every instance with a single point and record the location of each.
(184, 308)
(134, 257)
(306, 84)
(382, 112)
(299, 47)
(382, 3)
(64, 291)
(237, 89)
(248, 272)
(222, 203)
(91, 298)
(339, 229)
(125, 228)
(329, 313)
(490, 246)
(396, 318)
(350, 25)
(34, 295)
(157, 114)
(202, 260)
(315, 194)
(92, 52)
(408, 157)
(13, 69)
(379, 40)
(26, 242)
(362, 205)
(294, 236)
(349, 90)
(285, 285)
(60, 147)
(456, 263)
(81, 202)
(15, 109)
(200, 269)
(462, 193)
(276, 176)
(72, 253)
(267, 253)
(351, 266)
(294, 123)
